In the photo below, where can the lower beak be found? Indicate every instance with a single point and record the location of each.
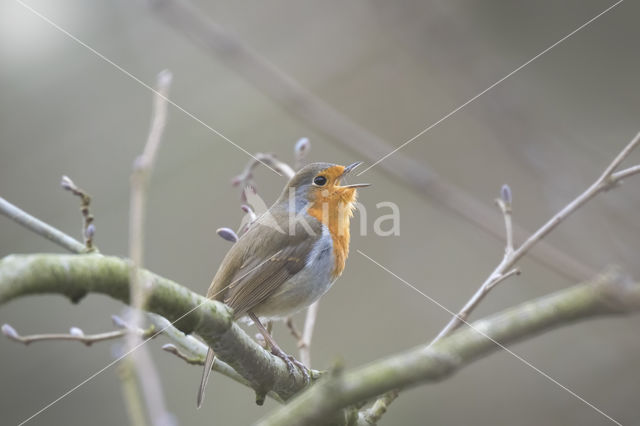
(357, 185)
(348, 170)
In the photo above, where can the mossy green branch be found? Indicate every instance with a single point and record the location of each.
(74, 276)
(608, 294)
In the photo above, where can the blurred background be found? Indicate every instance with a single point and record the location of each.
(392, 68)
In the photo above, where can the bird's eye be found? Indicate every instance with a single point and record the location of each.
(319, 180)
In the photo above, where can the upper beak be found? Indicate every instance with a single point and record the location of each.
(348, 170)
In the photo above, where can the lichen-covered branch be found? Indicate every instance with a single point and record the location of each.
(607, 294)
(74, 276)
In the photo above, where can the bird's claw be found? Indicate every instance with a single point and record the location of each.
(292, 363)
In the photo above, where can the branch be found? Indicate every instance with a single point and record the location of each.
(607, 294)
(607, 180)
(74, 276)
(41, 228)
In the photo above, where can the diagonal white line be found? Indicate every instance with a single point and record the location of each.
(590, 21)
(88, 379)
(137, 80)
(524, 361)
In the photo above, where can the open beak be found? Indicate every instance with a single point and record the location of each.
(348, 170)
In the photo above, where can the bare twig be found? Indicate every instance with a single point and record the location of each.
(502, 277)
(374, 413)
(41, 228)
(504, 202)
(189, 359)
(75, 334)
(245, 178)
(304, 338)
(619, 176)
(143, 166)
(304, 344)
(511, 257)
(293, 329)
(88, 228)
(218, 366)
(132, 398)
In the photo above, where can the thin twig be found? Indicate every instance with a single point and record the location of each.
(619, 176)
(132, 398)
(245, 178)
(304, 344)
(607, 180)
(218, 366)
(374, 413)
(504, 202)
(293, 329)
(41, 228)
(88, 228)
(74, 335)
(501, 278)
(143, 167)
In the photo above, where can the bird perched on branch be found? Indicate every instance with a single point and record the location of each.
(289, 256)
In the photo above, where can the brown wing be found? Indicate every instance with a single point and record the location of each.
(260, 276)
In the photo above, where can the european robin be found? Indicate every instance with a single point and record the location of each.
(290, 256)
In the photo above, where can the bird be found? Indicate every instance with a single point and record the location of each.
(289, 256)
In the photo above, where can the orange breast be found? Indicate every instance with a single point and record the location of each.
(335, 214)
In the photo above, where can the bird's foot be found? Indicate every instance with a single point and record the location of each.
(292, 363)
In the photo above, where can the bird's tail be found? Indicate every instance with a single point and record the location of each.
(208, 364)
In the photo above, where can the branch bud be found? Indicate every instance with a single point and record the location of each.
(302, 147)
(90, 231)
(9, 331)
(227, 234)
(505, 194)
(67, 183)
(76, 331)
(118, 322)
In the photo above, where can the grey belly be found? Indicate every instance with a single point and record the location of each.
(302, 289)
